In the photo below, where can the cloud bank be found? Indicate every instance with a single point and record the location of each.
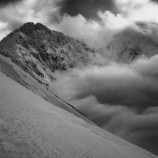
(87, 20)
(87, 9)
(118, 97)
(6, 2)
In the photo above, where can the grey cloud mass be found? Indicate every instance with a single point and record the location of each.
(87, 8)
(6, 2)
(154, 1)
(120, 98)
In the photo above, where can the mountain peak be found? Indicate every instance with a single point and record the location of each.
(29, 27)
(28, 24)
(41, 51)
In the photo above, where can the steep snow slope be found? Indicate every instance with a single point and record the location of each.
(16, 73)
(33, 127)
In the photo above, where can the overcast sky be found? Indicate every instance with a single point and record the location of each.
(124, 101)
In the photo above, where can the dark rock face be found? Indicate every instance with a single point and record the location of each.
(3, 52)
(41, 51)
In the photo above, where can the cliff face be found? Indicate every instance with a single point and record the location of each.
(41, 51)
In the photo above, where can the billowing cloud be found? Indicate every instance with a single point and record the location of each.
(26, 11)
(154, 0)
(95, 34)
(99, 33)
(86, 8)
(6, 2)
(118, 97)
(80, 16)
(116, 84)
(138, 10)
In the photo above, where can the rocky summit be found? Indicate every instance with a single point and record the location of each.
(41, 51)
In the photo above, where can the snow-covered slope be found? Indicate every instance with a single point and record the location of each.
(33, 127)
(15, 72)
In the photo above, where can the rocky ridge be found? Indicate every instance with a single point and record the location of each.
(41, 51)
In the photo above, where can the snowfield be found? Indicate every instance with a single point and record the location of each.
(31, 127)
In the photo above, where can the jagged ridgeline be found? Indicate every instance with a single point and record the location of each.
(41, 51)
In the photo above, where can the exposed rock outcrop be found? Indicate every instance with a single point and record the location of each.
(41, 51)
